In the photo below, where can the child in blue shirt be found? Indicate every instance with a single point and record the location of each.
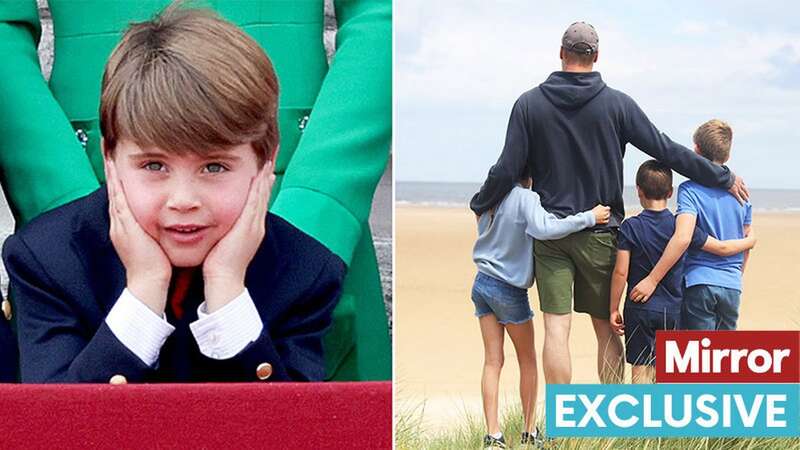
(504, 255)
(641, 242)
(713, 282)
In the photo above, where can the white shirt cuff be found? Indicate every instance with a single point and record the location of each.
(139, 329)
(227, 331)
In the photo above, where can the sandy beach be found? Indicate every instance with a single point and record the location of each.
(438, 353)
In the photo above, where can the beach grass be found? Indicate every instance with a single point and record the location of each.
(410, 434)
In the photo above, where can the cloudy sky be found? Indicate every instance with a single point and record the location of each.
(460, 64)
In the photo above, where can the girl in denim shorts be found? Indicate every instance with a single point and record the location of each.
(504, 255)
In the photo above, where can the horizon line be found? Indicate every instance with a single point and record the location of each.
(624, 185)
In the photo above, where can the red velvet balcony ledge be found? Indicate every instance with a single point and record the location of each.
(230, 416)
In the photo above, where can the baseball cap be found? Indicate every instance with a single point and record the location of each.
(580, 37)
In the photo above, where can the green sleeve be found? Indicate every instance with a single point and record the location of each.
(42, 165)
(329, 182)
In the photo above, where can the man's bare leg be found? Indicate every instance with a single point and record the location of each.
(522, 338)
(555, 356)
(610, 361)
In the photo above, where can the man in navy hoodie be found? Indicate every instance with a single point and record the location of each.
(571, 132)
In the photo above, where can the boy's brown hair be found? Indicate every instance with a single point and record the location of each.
(654, 179)
(713, 139)
(189, 81)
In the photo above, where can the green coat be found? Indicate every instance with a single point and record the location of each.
(335, 125)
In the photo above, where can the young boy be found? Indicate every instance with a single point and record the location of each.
(174, 271)
(504, 255)
(641, 241)
(713, 282)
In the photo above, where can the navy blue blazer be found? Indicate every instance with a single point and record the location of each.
(8, 352)
(66, 276)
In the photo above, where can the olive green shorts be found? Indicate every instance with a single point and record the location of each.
(580, 263)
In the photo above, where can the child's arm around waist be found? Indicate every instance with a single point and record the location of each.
(730, 247)
(546, 226)
(749, 234)
(677, 245)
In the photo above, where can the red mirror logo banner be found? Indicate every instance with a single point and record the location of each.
(728, 356)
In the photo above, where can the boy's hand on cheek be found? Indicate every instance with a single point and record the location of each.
(226, 264)
(147, 267)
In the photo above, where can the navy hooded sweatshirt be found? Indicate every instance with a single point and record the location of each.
(570, 132)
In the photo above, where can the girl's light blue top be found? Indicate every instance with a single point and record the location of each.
(504, 249)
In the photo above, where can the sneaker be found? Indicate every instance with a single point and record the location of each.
(490, 442)
(533, 440)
